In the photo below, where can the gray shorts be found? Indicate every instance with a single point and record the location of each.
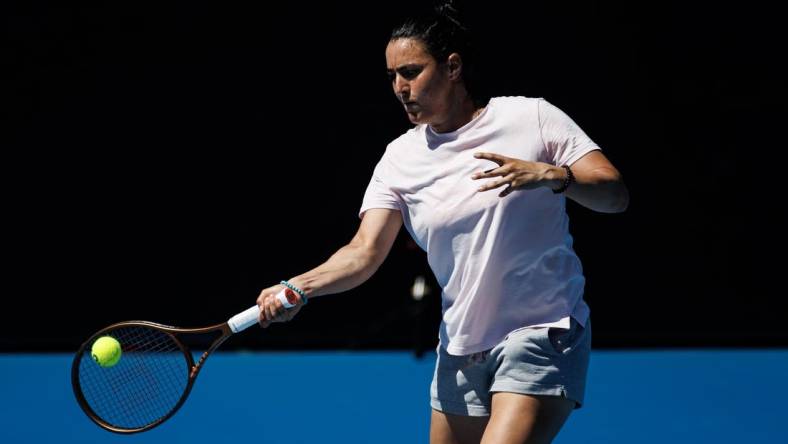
(532, 361)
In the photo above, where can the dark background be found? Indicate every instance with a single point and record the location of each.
(166, 161)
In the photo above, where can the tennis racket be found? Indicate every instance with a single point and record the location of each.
(153, 377)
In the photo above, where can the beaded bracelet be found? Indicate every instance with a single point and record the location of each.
(296, 289)
(570, 177)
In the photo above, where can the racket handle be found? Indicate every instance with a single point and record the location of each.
(244, 319)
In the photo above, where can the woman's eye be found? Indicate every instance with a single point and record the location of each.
(407, 74)
(410, 73)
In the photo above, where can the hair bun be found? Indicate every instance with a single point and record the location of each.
(448, 11)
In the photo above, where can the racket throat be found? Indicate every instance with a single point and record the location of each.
(196, 368)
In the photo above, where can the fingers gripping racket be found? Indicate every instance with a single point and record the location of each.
(153, 376)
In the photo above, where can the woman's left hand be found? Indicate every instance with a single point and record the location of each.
(518, 174)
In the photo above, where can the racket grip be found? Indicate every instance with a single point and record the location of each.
(244, 319)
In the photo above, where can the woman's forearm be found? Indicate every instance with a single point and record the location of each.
(601, 189)
(348, 268)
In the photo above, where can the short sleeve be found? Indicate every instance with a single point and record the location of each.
(378, 194)
(563, 139)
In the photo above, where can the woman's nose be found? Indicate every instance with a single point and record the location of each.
(401, 87)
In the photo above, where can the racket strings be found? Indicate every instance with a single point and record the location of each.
(144, 386)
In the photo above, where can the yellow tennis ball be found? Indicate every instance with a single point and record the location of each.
(106, 351)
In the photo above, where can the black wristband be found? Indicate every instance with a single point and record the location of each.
(570, 178)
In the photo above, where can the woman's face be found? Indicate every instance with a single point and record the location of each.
(420, 83)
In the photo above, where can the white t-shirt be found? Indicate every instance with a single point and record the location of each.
(502, 263)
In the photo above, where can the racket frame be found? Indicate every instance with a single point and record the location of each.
(171, 331)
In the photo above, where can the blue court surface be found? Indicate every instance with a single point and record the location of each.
(687, 396)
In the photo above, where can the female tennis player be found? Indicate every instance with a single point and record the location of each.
(481, 185)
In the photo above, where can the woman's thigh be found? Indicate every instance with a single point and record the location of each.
(456, 429)
(526, 419)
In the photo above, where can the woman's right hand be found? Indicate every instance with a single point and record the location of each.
(272, 309)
